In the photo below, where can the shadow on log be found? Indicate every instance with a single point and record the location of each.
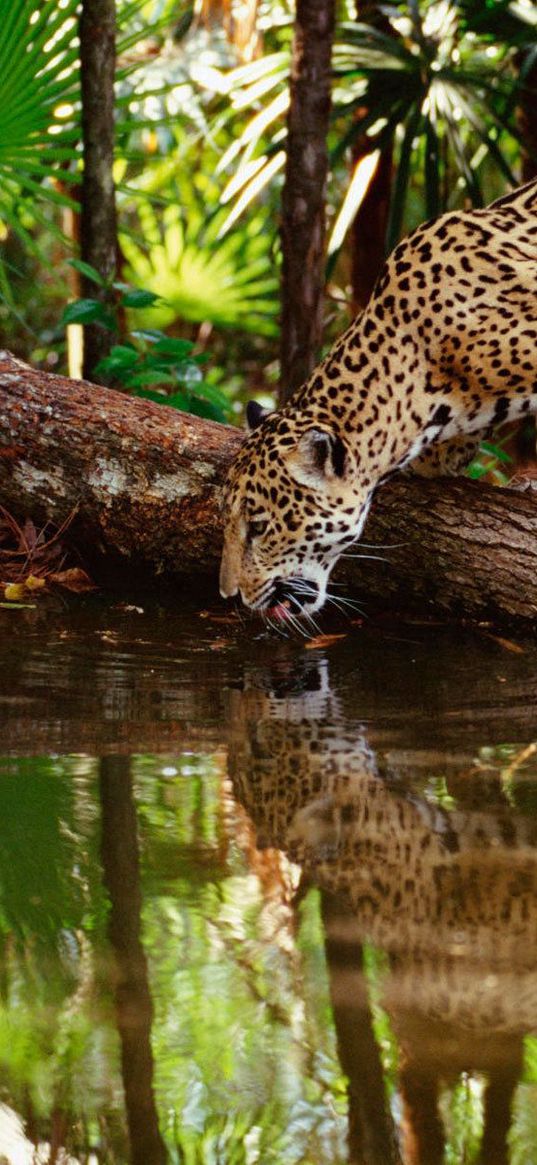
(145, 479)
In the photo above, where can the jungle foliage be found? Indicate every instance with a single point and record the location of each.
(444, 87)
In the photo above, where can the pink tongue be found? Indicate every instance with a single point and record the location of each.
(280, 611)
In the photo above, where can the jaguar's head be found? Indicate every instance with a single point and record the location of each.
(293, 501)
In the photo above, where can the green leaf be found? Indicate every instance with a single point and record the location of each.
(215, 396)
(172, 347)
(86, 269)
(122, 358)
(88, 311)
(38, 75)
(204, 408)
(151, 376)
(177, 401)
(496, 451)
(139, 297)
(150, 335)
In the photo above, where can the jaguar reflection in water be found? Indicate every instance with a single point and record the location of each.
(443, 889)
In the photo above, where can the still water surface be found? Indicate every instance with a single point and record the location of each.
(265, 903)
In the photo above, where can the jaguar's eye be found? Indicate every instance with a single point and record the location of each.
(257, 527)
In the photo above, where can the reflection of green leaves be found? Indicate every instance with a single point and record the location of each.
(222, 960)
(52, 906)
(33, 805)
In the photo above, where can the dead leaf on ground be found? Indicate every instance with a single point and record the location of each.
(30, 558)
(74, 579)
(218, 617)
(220, 644)
(507, 644)
(323, 641)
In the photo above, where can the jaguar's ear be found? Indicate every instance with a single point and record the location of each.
(319, 458)
(255, 415)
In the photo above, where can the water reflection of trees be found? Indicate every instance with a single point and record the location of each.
(134, 1008)
(244, 1064)
(233, 911)
(433, 860)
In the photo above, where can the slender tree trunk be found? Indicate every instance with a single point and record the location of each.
(527, 117)
(303, 198)
(372, 1138)
(134, 1008)
(423, 1134)
(98, 230)
(368, 233)
(525, 431)
(503, 1081)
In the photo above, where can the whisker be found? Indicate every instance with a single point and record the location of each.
(382, 545)
(313, 622)
(274, 626)
(342, 602)
(295, 623)
(376, 557)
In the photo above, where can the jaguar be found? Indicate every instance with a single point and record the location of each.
(444, 351)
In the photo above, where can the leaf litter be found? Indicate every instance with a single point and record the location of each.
(32, 560)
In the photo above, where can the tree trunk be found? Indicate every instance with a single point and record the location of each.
(525, 449)
(303, 197)
(368, 233)
(134, 1006)
(372, 1137)
(527, 115)
(145, 479)
(98, 230)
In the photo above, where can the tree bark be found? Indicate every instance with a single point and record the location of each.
(98, 229)
(303, 197)
(145, 482)
(368, 232)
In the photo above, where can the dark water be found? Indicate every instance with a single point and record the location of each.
(265, 902)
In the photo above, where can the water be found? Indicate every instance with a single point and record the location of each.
(261, 901)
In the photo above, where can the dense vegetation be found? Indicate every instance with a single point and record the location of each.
(433, 106)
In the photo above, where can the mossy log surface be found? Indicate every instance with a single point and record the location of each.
(145, 479)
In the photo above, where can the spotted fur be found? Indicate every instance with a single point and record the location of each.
(444, 891)
(445, 349)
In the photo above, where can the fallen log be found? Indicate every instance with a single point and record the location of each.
(144, 481)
